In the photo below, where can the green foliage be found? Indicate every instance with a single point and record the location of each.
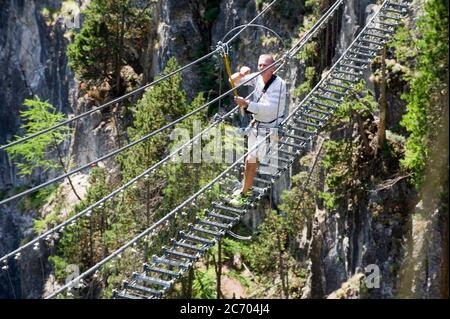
(309, 55)
(83, 242)
(425, 50)
(283, 9)
(33, 153)
(307, 85)
(60, 265)
(161, 104)
(339, 175)
(264, 254)
(343, 158)
(204, 284)
(359, 100)
(231, 247)
(212, 11)
(298, 202)
(46, 12)
(98, 50)
(50, 220)
(245, 281)
(36, 200)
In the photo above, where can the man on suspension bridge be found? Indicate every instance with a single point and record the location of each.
(267, 108)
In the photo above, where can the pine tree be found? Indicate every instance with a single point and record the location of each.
(34, 153)
(98, 51)
(159, 105)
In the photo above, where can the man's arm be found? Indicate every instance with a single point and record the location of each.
(236, 77)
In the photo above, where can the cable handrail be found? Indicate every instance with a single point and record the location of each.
(132, 93)
(101, 202)
(221, 175)
(153, 167)
(125, 147)
(300, 44)
(335, 64)
(156, 224)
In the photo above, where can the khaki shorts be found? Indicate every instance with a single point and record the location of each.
(256, 136)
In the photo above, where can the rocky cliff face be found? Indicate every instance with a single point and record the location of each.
(33, 62)
(338, 245)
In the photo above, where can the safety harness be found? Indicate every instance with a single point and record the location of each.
(264, 90)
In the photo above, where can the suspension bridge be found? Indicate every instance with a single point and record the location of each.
(298, 130)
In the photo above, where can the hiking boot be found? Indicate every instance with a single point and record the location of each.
(239, 199)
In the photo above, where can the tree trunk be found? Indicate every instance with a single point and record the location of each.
(120, 41)
(190, 280)
(382, 102)
(64, 168)
(282, 277)
(91, 244)
(361, 131)
(219, 269)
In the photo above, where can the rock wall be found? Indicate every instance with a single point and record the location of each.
(337, 245)
(33, 62)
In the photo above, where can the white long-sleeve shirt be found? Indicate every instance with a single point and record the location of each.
(267, 108)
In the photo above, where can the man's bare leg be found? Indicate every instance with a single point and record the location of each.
(251, 165)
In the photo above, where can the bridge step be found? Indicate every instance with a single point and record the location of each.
(123, 295)
(220, 216)
(262, 180)
(379, 44)
(362, 54)
(211, 223)
(272, 176)
(392, 10)
(398, 4)
(297, 137)
(313, 109)
(385, 16)
(372, 50)
(265, 164)
(309, 115)
(355, 74)
(140, 288)
(336, 77)
(290, 144)
(327, 97)
(260, 190)
(289, 153)
(281, 159)
(350, 66)
(234, 210)
(176, 243)
(390, 31)
(349, 58)
(301, 130)
(375, 35)
(206, 231)
(328, 90)
(323, 104)
(389, 24)
(152, 280)
(148, 268)
(305, 123)
(171, 262)
(179, 254)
